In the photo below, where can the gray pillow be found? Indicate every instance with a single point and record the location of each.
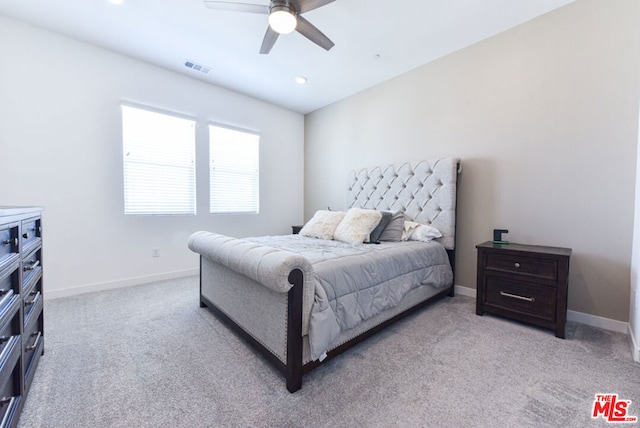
(393, 231)
(384, 221)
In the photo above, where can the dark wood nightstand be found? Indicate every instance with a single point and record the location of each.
(296, 229)
(526, 283)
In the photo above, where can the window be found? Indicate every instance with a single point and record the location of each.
(233, 171)
(159, 163)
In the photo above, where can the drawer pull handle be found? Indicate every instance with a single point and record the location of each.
(35, 344)
(32, 265)
(516, 264)
(515, 296)
(25, 235)
(4, 298)
(3, 401)
(13, 242)
(32, 301)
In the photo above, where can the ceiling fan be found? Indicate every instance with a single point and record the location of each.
(285, 16)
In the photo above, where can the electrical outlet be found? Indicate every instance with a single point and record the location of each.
(155, 252)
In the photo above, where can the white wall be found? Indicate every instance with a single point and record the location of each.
(545, 119)
(60, 145)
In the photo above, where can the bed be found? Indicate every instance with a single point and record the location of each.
(303, 299)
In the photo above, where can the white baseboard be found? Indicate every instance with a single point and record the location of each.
(635, 346)
(110, 285)
(596, 321)
(579, 317)
(465, 291)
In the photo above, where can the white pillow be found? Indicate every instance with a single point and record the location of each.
(413, 231)
(357, 225)
(323, 224)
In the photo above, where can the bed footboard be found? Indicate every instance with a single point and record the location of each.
(259, 293)
(273, 327)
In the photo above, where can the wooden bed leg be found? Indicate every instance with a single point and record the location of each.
(452, 262)
(202, 303)
(294, 332)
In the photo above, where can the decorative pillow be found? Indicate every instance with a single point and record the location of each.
(357, 225)
(393, 231)
(323, 224)
(384, 221)
(413, 231)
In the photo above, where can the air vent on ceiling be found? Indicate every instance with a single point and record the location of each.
(197, 67)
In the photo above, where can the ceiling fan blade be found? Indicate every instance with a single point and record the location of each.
(269, 40)
(308, 30)
(237, 7)
(303, 6)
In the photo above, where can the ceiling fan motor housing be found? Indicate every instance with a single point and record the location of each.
(282, 6)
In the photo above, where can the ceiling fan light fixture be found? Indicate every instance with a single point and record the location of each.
(282, 19)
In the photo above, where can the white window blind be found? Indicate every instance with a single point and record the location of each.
(159, 163)
(234, 171)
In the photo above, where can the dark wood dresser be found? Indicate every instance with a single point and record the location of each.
(21, 307)
(526, 283)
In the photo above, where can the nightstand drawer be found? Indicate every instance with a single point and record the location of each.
(534, 300)
(535, 267)
(526, 283)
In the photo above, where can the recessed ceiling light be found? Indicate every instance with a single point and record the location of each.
(118, 2)
(301, 80)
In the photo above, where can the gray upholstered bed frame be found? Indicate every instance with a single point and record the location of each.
(272, 314)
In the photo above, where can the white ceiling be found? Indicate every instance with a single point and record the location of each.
(375, 40)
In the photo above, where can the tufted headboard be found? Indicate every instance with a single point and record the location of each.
(424, 190)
